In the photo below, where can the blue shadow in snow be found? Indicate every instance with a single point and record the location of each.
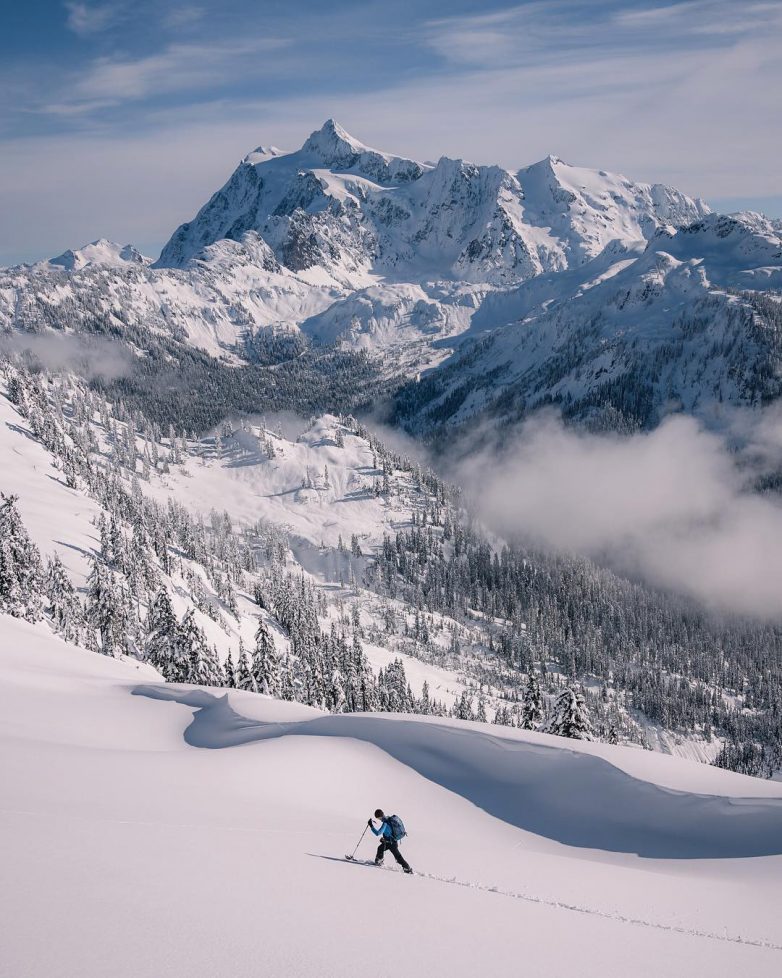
(565, 795)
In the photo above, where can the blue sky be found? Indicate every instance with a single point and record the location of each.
(120, 117)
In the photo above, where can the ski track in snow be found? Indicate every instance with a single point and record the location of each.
(451, 880)
(225, 728)
(574, 908)
(108, 798)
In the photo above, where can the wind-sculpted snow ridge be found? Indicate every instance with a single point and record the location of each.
(564, 794)
(217, 856)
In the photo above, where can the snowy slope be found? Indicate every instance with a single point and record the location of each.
(339, 500)
(642, 332)
(203, 836)
(59, 519)
(62, 521)
(238, 285)
(240, 480)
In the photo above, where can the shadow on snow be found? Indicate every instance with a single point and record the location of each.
(565, 795)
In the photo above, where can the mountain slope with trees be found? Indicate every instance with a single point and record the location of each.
(335, 562)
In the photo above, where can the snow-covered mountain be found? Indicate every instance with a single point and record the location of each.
(101, 252)
(683, 324)
(339, 206)
(340, 245)
(239, 285)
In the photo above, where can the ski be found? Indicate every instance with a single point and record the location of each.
(371, 862)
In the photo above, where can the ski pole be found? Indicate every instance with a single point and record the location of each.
(352, 855)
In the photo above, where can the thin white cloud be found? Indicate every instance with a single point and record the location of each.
(498, 37)
(557, 30)
(184, 16)
(87, 19)
(179, 67)
(702, 16)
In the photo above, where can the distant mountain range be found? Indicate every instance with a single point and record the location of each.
(482, 290)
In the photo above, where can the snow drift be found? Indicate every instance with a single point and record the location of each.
(567, 794)
(137, 853)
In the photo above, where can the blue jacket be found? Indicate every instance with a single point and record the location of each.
(384, 830)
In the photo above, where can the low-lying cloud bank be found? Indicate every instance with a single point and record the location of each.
(672, 505)
(85, 354)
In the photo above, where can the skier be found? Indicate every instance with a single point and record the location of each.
(388, 839)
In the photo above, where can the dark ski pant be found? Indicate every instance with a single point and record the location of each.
(393, 847)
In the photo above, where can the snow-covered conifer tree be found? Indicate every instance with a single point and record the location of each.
(425, 703)
(107, 609)
(213, 669)
(229, 672)
(394, 691)
(366, 687)
(337, 701)
(570, 717)
(481, 714)
(21, 575)
(162, 641)
(462, 709)
(193, 653)
(503, 716)
(266, 662)
(244, 672)
(532, 711)
(288, 688)
(62, 605)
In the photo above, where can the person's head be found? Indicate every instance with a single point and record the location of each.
(379, 814)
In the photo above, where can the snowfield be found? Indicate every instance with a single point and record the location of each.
(154, 829)
(159, 830)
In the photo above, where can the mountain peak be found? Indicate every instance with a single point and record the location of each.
(333, 145)
(333, 128)
(100, 252)
(549, 164)
(262, 153)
